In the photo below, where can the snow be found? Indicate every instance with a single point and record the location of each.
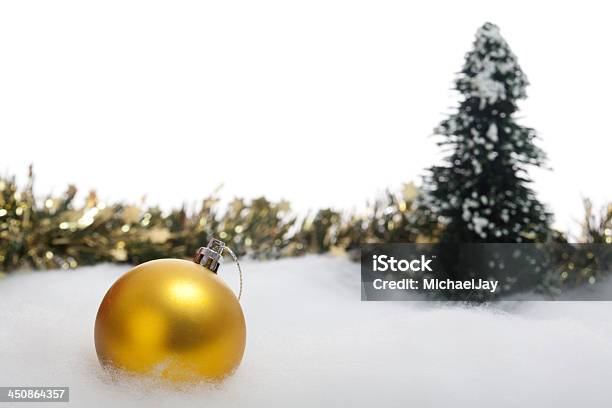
(477, 167)
(479, 224)
(505, 216)
(492, 55)
(313, 343)
(484, 86)
(492, 132)
(467, 205)
(489, 32)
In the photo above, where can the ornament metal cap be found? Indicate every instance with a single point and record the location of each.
(210, 256)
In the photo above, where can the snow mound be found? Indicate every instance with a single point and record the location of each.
(312, 342)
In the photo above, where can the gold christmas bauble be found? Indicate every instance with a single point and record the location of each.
(173, 319)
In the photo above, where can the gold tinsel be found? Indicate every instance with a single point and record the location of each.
(58, 232)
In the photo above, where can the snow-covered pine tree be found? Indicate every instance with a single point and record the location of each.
(481, 193)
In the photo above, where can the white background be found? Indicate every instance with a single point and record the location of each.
(324, 103)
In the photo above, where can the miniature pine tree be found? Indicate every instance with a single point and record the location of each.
(481, 193)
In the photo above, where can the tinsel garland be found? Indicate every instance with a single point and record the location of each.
(56, 232)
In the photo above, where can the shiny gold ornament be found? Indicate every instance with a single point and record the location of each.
(173, 319)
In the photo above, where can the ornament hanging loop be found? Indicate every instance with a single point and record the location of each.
(235, 259)
(211, 256)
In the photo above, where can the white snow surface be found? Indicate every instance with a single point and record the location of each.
(313, 343)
